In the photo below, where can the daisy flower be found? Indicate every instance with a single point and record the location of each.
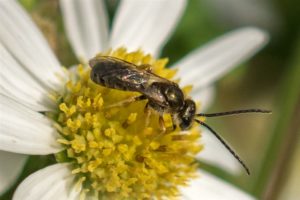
(107, 153)
(87, 28)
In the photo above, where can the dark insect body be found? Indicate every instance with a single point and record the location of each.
(163, 96)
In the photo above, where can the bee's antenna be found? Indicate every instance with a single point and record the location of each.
(225, 144)
(234, 112)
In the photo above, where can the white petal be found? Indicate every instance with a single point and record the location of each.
(86, 25)
(216, 154)
(25, 131)
(207, 64)
(145, 24)
(209, 187)
(235, 13)
(22, 38)
(204, 96)
(19, 84)
(11, 166)
(52, 182)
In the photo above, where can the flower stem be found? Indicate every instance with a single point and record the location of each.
(285, 135)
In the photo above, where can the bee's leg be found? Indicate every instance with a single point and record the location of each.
(174, 127)
(146, 67)
(147, 111)
(174, 122)
(162, 123)
(127, 101)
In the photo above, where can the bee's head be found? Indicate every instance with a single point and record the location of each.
(187, 114)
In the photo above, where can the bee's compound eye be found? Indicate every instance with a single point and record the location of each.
(187, 114)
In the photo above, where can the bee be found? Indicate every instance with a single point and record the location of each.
(163, 95)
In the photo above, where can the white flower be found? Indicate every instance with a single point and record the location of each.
(87, 29)
(29, 70)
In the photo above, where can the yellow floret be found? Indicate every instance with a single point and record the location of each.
(113, 152)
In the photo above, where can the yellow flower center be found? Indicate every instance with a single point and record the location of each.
(113, 152)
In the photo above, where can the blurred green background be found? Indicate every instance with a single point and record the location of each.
(269, 144)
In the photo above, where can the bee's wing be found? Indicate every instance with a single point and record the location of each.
(118, 74)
